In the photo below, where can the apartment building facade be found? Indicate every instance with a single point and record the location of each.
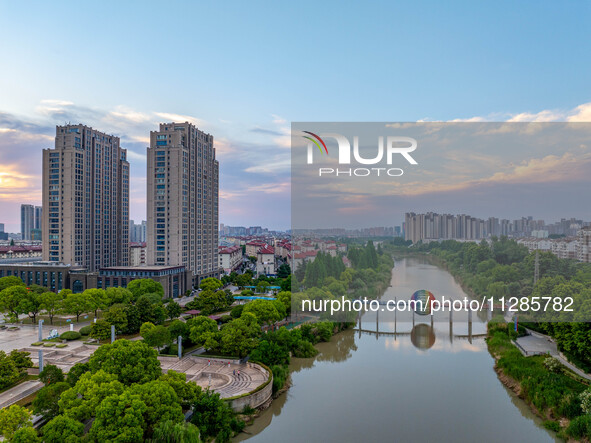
(182, 200)
(85, 199)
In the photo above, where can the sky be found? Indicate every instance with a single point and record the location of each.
(244, 71)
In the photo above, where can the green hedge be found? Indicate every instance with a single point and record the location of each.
(70, 335)
(85, 330)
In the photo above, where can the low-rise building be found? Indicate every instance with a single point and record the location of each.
(57, 276)
(230, 258)
(137, 254)
(266, 260)
(20, 253)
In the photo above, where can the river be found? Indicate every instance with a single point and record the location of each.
(428, 383)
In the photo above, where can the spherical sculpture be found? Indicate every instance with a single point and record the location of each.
(422, 301)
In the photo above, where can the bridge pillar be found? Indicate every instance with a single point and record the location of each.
(395, 322)
(377, 324)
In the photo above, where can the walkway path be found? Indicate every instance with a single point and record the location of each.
(19, 392)
(540, 344)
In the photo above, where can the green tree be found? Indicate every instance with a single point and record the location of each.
(78, 304)
(12, 299)
(179, 327)
(210, 284)
(265, 311)
(7, 282)
(133, 319)
(117, 315)
(187, 392)
(76, 372)
(62, 429)
(173, 309)
(283, 271)
(145, 309)
(98, 299)
(131, 361)
(51, 303)
(161, 401)
(171, 432)
(21, 359)
(100, 330)
(203, 331)
(25, 435)
(12, 419)
(270, 353)
(51, 374)
(243, 280)
(213, 417)
(238, 337)
(158, 336)
(116, 295)
(31, 305)
(145, 286)
(119, 418)
(80, 402)
(46, 401)
(9, 372)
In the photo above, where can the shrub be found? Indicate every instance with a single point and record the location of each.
(570, 406)
(552, 364)
(48, 345)
(61, 345)
(280, 375)
(70, 335)
(85, 330)
(37, 343)
(552, 425)
(304, 349)
(580, 427)
(585, 398)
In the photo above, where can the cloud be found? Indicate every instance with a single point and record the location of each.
(180, 118)
(266, 131)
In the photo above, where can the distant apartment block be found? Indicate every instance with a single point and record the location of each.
(584, 245)
(182, 200)
(137, 254)
(432, 226)
(137, 232)
(27, 221)
(573, 248)
(85, 199)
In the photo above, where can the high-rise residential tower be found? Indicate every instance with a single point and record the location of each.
(86, 199)
(183, 177)
(27, 221)
(38, 217)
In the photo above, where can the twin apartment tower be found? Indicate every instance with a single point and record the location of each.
(86, 181)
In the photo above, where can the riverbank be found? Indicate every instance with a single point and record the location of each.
(548, 389)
